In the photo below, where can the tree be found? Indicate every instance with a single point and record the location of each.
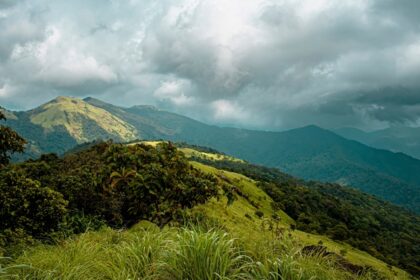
(10, 142)
(27, 205)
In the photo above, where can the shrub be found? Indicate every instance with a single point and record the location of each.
(259, 214)
(26, 205)
(10, 142)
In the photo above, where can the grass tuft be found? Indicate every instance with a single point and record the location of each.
(206, 255)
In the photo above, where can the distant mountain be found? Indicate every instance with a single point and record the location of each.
(65, 122)
(309, 152)
(397, 139)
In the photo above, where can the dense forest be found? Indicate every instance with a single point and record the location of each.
(386, 231)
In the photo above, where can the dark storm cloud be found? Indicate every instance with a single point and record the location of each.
(8, 3)
(268, 64)
(391, 96)
(393, 105)
(406, 11)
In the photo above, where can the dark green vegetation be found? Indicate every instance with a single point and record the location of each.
(310, 152)
(10, 142)
(386, 231)
(399, 138)
(108, 183)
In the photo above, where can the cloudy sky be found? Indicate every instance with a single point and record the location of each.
(268, 64)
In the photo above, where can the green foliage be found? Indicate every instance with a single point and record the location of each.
(10, 142)
(118, 185)
(192, 253)
(78, 222)
(206, 255)
(14, 242)
(386, 231)
(291, 263)
(259, 214)
(107, 183)
(28, 206)
(6, 269)
(156, 182)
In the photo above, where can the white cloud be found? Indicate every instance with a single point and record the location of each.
(174, 91)
(4, 91)
(228, 111)
(58, 63)
(265, 63)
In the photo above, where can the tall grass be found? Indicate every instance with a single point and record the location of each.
(6, 269)
(186, 253)
(138, 258)
(206, 255)
(282, 258)
(106, 254)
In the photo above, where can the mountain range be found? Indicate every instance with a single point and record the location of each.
(310, 152)
(397, 138)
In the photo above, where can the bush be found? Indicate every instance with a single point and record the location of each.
(14, 242)
(107, 183)
(26, 205)
(259, 214)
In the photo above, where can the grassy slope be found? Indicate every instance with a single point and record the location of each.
(191, 152)
(233, 218)
(72, 113)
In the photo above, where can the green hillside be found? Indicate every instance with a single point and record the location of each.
(342, 213)
(310, 152)
(77, 217)
(65, 122)
(75, 115)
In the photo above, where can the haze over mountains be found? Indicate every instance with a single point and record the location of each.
(309, 152)
(397, 138)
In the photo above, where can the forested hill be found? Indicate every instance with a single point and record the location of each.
(308, 152)
(398, 138)
(118, 185)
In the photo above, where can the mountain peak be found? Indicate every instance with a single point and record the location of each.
(312, 129)
(63, 99)
(78, 117)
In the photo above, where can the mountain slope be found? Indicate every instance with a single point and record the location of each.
(309, 152)
(398, 139)
(329, 209)
(65, 122)
(79, 117)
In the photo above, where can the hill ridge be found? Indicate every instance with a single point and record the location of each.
(309, 152)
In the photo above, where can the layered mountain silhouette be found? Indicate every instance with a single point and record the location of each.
(397, 138)
(309, 152)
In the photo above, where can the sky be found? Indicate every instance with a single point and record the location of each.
(266, 64)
